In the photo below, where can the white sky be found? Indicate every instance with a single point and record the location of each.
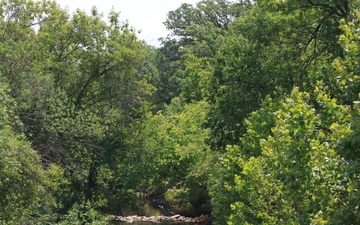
(145, 15)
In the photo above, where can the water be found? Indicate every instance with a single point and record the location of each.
(148, 210)
(143, 223)
(151, 223)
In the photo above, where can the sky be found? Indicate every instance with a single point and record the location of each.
(144, 15)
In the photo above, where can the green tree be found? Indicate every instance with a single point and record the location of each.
(170, 65)
(299, 176)
(174, 158)
(23, 182)
(80, 89)
(347, 67)
(276, 45)
(199, 27)
(187, 54)
(95, 100)
(18, 45)
(298, 158)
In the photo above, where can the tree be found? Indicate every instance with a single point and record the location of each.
(23, 182)
(347, 67)
(169, 64)
(19, 47)
(199, 27)
(96, 99)
(188, 53)
(79, 89)
(174, 158)
(299, 175)
(275, 46)
(298, 159)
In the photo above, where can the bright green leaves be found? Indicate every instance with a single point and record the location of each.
(180, 133)
(176, 157)
(298, 175)
(297, 159)
(348, 67)
(293, 141)
(92, 61)
(196, 84)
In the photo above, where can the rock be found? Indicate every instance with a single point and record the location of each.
(155, 219)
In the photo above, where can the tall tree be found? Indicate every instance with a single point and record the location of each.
(297, 161)
(23, 182)
(79, 89)
(196, 35)
(277, 45)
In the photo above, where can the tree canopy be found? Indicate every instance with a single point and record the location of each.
(248, 111)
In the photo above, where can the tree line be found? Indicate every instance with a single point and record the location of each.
(249, 111)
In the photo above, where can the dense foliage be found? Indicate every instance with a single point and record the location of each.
(249, 110)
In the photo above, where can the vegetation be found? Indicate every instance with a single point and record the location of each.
(249, 111)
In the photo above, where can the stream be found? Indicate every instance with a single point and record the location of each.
(148, 211)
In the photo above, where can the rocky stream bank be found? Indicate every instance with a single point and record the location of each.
(203, 219)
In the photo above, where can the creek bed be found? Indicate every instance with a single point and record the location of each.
(151, 216)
